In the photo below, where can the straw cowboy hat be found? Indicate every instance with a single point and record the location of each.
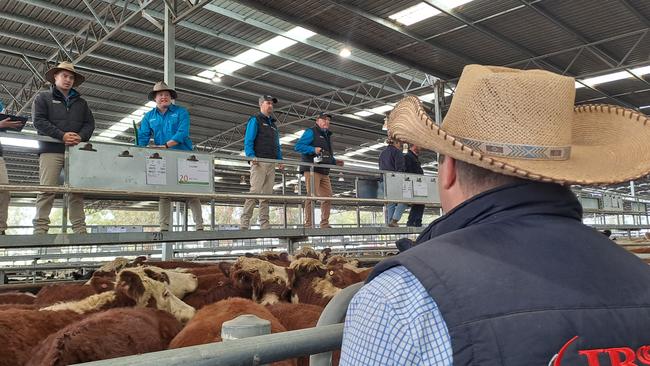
(161, 86)
(524, 123)
(67, 66)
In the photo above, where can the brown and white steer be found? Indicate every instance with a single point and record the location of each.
(220, 291)
(178, 282)
(269, 283)
(59, 292)
(109, 334)
(17, 298)
(21, 330)
(205, 327)
(133, 289)
(310, 285)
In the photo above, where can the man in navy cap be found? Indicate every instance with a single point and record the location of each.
(261, 140)
(315, 145)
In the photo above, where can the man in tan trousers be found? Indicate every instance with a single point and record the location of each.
(261, 140)
(60, 113)
(315, 146)
(5, 196)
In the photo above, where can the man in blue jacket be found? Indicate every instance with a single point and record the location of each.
(170, 126)
(392, 159)
(510, 275)
(262, 140)
(315, 146)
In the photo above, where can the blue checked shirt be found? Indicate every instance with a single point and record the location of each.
(393, 321)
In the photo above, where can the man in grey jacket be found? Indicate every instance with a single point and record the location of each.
(60, 113)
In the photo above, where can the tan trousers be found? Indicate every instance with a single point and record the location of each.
(4, 196)
(262, 179)
(165, 208)
(49, 168)
(323, 189)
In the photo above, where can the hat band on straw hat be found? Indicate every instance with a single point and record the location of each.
(517, 151)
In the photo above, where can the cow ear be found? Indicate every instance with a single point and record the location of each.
(130, 284)
(225, 268)
(291, 275)
(160, 277)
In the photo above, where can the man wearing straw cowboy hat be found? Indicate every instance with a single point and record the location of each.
(63, 114)
(170, 126)
(510, 275)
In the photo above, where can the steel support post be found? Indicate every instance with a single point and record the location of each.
(170, 46)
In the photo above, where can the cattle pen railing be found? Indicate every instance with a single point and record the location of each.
(317, 342)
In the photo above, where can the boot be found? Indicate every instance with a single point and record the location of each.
(393, 223)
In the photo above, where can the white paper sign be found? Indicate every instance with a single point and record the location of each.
(156, 171)
(407, 189)
(193, 172)
(420, 188)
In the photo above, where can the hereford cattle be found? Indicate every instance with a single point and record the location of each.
(310, 285)
(133, 289)
(61, 292)
(306, 252)
(279, 259)
(297, 316)
(175, 264)
(109, 334)
(17, 306)
(21, 330)
(209, 280)
(205, 327)
(339, 259)
(269, 283)
(325, 254)
(17, 298)
(115, 265)
(346, 274)
(179, 282)
(220, 291)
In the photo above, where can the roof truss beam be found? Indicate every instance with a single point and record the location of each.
(79, 46)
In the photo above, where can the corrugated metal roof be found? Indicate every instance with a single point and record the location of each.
(121, 71)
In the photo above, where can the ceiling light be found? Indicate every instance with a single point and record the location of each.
(345, 52)
(216, 79)
(341, 179)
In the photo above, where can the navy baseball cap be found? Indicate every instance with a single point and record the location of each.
(324, 115)
(269, 98)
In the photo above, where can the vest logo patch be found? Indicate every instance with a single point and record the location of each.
(615, 356)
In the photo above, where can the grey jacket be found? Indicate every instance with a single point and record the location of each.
(53, 116)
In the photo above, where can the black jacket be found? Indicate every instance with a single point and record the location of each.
(392, 159)
(53, 117)
(517, 275)
(412, 163)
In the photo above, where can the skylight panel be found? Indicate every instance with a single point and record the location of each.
(228, 67)
(109, 134)
(607, 78)
(414, 14)
(208, 74)
(150, 104)
(364, 113)
(382, 109)
(299, 33)
(121, 127)
(276, 44)
(250, 56)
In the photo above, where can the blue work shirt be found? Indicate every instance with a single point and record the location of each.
(304, 144)
(251, 134)
(172, 125)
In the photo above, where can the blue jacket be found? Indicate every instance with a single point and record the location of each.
(304, 144)
(251, 134)
(517, 275)
(173, 125)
